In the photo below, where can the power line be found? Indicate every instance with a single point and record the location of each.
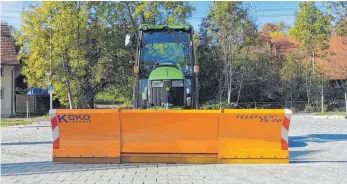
(275, 9)
(275, 15)
(272, 15)
(10, 17)
(11, 11)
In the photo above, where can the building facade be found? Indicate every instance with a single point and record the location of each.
(9, 64)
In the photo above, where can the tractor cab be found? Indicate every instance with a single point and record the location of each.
(164, 67)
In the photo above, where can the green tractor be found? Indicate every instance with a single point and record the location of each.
(165, 69)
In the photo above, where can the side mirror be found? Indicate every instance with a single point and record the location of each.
(129, 39)
(202, 40)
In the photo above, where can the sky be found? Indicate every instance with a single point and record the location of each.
(269, 11)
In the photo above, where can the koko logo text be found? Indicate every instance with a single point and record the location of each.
(74, 118)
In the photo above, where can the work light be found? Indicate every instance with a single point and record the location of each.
(177, 83)
(157, 84)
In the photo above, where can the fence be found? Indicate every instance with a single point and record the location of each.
(295, 106)
(32, 104)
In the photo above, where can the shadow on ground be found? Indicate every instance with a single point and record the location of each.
(303, 156)
(301, 141)
(316, 161)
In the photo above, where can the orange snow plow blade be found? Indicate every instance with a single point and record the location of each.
(84, 136)
(170, 136)
(253, 136)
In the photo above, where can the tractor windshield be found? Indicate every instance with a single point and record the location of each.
(165, 47)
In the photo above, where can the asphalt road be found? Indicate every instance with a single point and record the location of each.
(318, 154)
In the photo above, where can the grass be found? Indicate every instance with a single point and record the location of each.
(12, 122)
(331, 114)
(21, 121)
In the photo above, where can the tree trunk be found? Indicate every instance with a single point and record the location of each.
(220, 88)
(313, 61)
(291, 96)
(229, 86)
(91, 103)
(307, 89)
(239, 94)
(67, 82)
(230, 72)
(69, 94)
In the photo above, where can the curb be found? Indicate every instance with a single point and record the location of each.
(328, 117)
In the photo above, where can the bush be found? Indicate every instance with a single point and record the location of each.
(220, 105)
(308, 108)
(126, 105)
(336, 105)
(212, 106)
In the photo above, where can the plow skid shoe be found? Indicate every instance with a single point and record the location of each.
(170, 136)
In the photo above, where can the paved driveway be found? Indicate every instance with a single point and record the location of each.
(318, 154)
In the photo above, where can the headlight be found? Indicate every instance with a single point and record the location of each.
(157, 84)
(187, 28)
(177, 83)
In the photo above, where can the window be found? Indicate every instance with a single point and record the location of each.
(2, 71)
(2, 93)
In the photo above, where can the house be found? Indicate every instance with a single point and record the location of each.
(332, 61)
(9, 65)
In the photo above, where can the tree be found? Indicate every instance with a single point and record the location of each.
(236, 66)
(54, 25)
(292, 75)
(312, 29)
(338, 11)
(235, 30)
(85, 41)
(269, 30)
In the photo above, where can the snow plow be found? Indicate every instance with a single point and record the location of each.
(170, 136)
(166, 124)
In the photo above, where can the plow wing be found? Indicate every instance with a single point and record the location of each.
(170, 136)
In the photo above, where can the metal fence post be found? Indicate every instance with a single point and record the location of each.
(27, 110)
(50, 101)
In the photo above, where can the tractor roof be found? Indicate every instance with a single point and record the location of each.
(158, 27)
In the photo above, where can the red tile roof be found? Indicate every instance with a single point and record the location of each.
(8, 51)
(334, 65)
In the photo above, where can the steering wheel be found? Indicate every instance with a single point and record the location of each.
(164, 63)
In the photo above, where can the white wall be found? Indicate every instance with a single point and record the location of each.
(7, 83)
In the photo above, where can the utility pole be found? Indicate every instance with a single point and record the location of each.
(50, 68)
